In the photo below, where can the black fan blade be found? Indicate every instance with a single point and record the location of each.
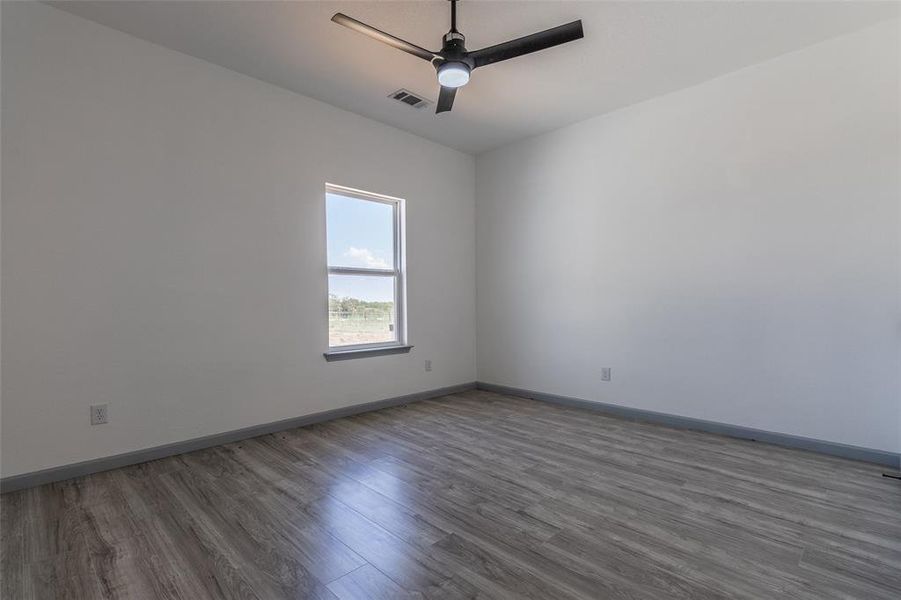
(528, 44)
(385, 38)
(445, 99)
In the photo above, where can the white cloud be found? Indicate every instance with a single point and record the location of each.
(367, 258)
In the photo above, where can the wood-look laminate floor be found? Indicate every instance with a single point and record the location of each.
(475, 495)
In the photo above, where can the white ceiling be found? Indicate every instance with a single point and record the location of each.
(632, 51)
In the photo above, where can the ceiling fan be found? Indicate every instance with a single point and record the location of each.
(454, 63)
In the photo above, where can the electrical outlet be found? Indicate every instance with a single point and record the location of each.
(99, 414)
(606, 374)
(428, 365)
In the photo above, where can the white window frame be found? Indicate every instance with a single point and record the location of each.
(398, 272)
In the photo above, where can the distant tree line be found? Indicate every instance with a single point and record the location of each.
(357, 306)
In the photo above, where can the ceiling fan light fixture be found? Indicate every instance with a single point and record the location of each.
(453, 74)
(454, 62)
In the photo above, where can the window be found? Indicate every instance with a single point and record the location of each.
(365, 273)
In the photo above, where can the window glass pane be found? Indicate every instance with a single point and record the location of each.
(360, 233)
(360, 310)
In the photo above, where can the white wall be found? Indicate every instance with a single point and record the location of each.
(163, 246)
(730, 250)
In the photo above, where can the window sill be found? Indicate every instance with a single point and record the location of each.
(365, 352)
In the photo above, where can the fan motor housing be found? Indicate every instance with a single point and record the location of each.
(453, 65)
(454, 47)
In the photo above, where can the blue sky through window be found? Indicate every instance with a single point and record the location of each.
(360, 234)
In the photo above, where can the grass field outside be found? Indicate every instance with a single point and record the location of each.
(364, 326)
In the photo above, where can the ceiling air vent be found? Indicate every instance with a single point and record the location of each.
(409, 98)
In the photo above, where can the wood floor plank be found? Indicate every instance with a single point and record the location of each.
(475, 495)
(413, 569)
(368, 583)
